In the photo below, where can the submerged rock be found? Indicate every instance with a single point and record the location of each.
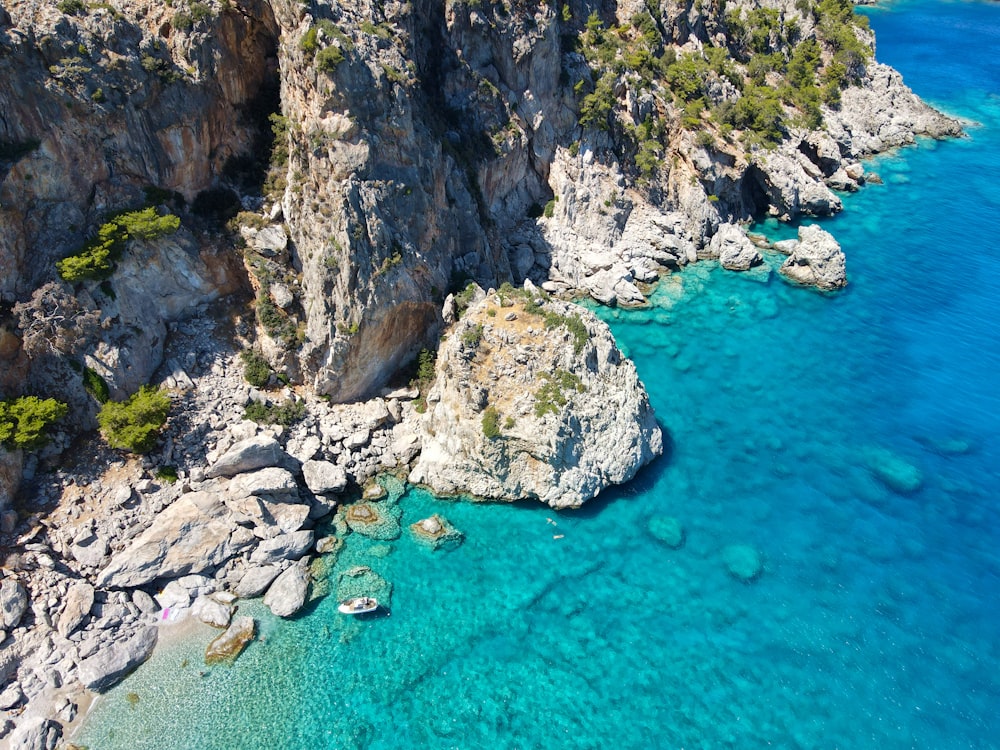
(543, 407)
(743, 562)
(894, 472)
(230, 644)
(436, 532)
(816, 260)
(373, 520)
(668, 530)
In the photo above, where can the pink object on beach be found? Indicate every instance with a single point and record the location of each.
(166, 613)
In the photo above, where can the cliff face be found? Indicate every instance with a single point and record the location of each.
(589, 148)
(533, 400)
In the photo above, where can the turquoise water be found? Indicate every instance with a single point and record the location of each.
(874, 621)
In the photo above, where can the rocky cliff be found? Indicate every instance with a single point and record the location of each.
(533, 400)
(589, 148)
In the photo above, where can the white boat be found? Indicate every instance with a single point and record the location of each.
(358, 605)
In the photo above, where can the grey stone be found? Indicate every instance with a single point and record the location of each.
(13, 603)
(111, 664)
(212, 612)
(816, 260)
(258, 452)
(79, 600)
(196, 533)
(256, 580)
(323, 477)
(36, 733)
(288, 593)
(283, 547)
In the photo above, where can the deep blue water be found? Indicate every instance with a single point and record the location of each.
(875, 622)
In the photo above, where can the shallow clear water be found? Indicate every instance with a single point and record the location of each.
(874, 622)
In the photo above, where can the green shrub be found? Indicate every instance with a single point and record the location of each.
(425, 366)
(96, 260)
(96, 386)
(255, 368)
(551, 396)
(167, 474)
(71, 7)
(328, 58)
(491, 423)
(472, 336)
(550, 208)
(287, 413)
(24, 420)
(135, 423)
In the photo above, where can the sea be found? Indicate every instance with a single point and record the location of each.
(847, 445)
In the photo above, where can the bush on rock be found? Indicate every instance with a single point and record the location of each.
(134, 424)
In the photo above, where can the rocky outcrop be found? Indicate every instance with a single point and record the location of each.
(528, 402)
(253, 453)
(815, 260)
(287, 594)
(10, 478)
(195, 534)
(734, 249)
(111, 664)
(36, 733)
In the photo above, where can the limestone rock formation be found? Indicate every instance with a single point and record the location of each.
(816, 260)
(436, 532)
(109, 665)
(323, 477)
(195, 534)
(533, 401)
(734, 249)
(288, 593)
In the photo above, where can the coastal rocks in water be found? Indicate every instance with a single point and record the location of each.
(544, 406)
(35, 733)
(894, 472)
(197, 533)
(230, 644)
(258, 452)
(373, 520)
(79, 600)
(743, 562)
(323, 477)
(111, 663)
(288, 593)
(436, 532)
(734, 249)
(816, 260)
(361, 580)
(668, 530)
(256, 580)
(13, 603)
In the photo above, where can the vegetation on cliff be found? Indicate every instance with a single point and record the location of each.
(134, 424)
(25, 420)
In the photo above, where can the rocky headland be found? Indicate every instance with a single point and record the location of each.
(316, 179)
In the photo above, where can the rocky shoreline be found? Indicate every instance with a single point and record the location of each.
(380, 198)
(113, 547)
